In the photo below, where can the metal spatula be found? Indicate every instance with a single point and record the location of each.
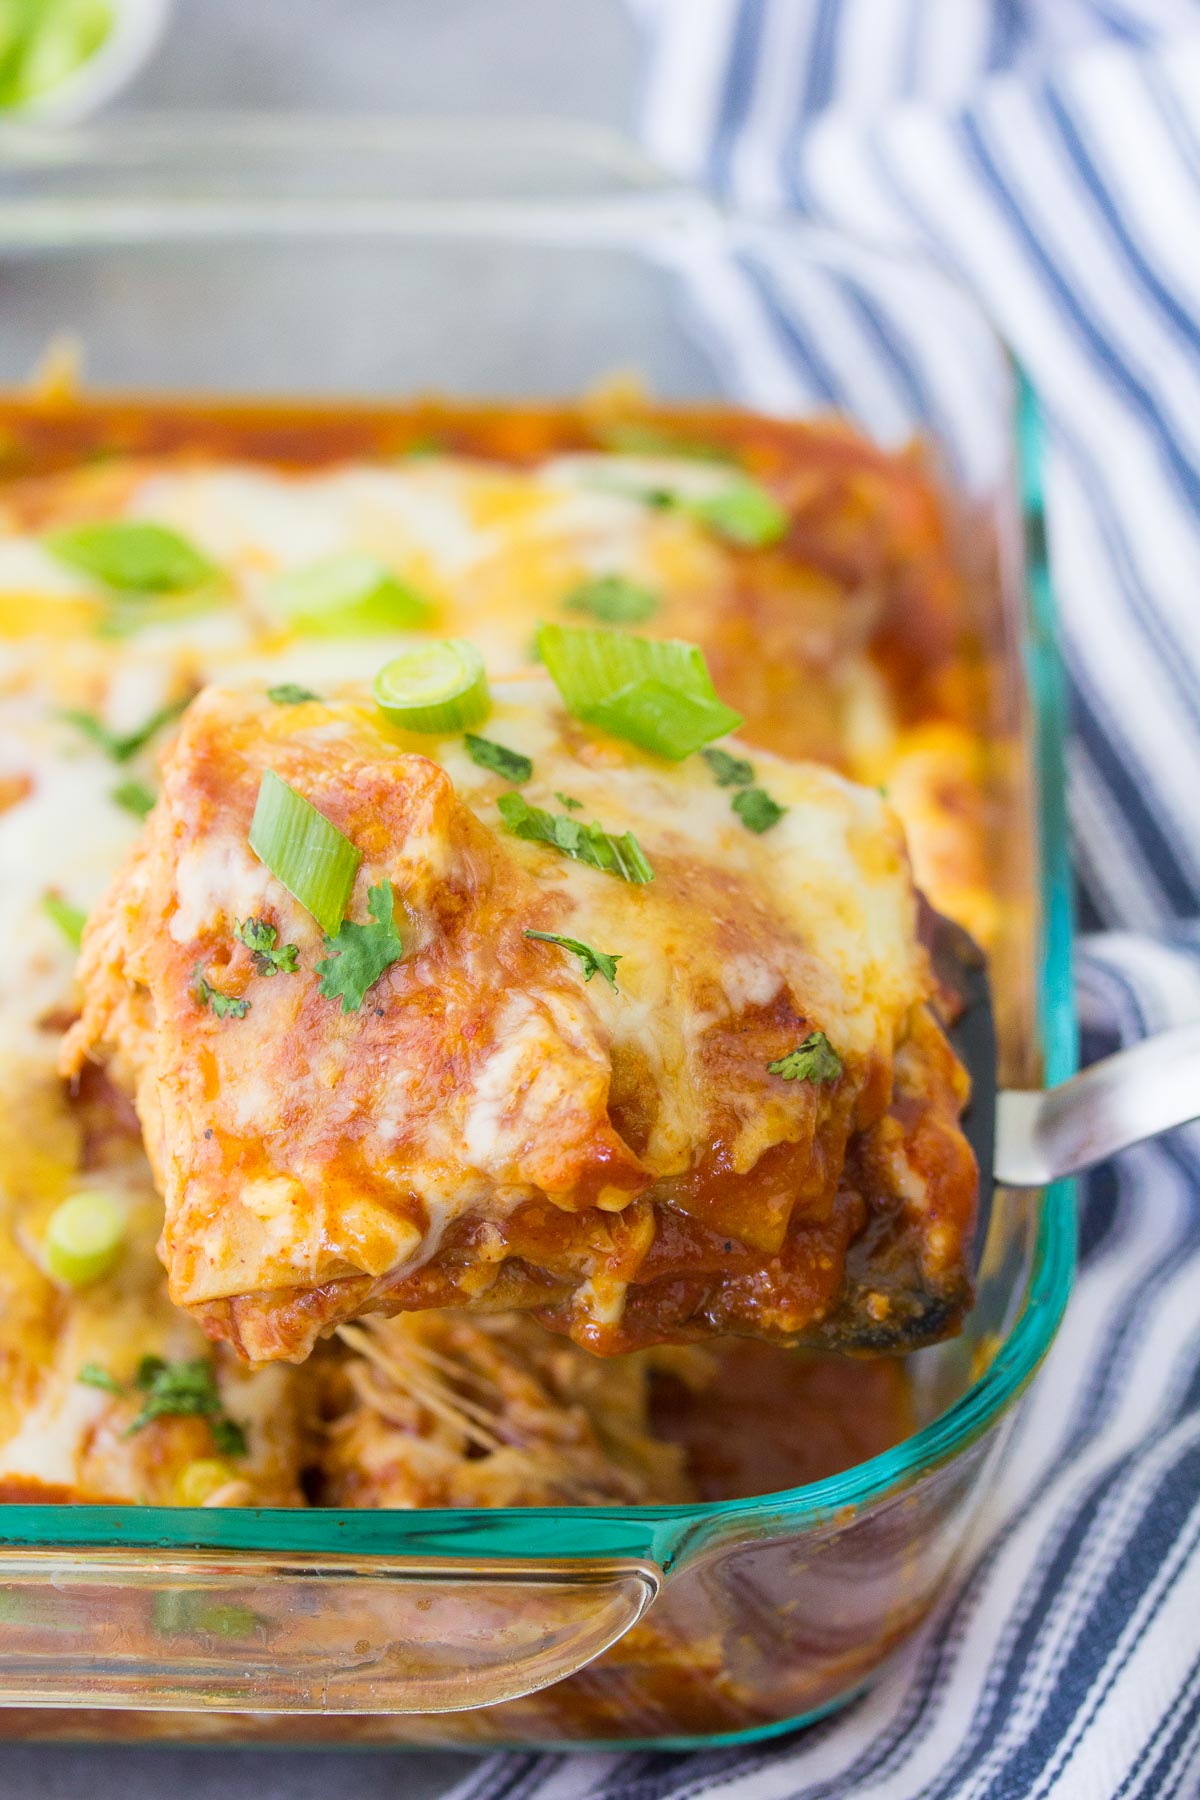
(1019, 1140)
(1029, 1139)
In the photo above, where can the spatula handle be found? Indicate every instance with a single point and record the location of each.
(1134, 1095)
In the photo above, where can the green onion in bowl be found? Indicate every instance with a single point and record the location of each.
(314, 860)
(435, 687)
(44, 42)
(346, 594)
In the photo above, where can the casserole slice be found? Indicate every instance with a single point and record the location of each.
(595, 1040)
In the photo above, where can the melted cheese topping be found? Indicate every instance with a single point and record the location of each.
(493, 549)
(298, 1145)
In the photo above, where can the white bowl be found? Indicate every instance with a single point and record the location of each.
(136, 29)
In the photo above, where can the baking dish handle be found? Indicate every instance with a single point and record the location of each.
(180, 1632)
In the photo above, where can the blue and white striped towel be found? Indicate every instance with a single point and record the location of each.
(1049, 152)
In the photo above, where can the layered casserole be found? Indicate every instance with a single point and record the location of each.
(682, 1079)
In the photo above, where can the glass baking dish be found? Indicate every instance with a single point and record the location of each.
(370, 260)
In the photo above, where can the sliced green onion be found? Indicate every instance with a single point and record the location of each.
(744, 512)
(346, 594)
(135, 797)
(436, 687)
(84, 1239)
(657, 692)
(69, 919)
(315, 863)
(736, 508)
(613, 600)
(133, 555)
(632, 437)
(664, 720)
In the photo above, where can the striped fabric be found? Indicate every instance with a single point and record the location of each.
(1048, 151)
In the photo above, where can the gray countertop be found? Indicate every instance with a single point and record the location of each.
(577, 60)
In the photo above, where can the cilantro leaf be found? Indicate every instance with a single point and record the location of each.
(595, 962)
(173, 1390)
(288, 694)
(569, 801)
(487, 755)
(135, 797)
(612, 600)
(756, 809)
(728, 770)
(92, 1375)
(224, 1005)
(361, 953)
(260, 939)
(229, 1439)
(121, 749)
(185, 1389)
(622, 856)
(814, 1060)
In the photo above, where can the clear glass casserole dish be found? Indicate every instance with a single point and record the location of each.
(378, 260)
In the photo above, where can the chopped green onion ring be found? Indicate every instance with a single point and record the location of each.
(437, 687)
(310, 856)
(84, 1238)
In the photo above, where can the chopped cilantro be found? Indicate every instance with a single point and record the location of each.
(729, 770)
(121, 749)
(92, 1375)
(595, 962)
(288, 694)
(756, 809)
(135, 797)
(361, 953)
(224, 1005)
(591, 844)
(488, 755)
(813, 1060)
(173, 1390)
(613, 600)
(181, 1390)
(261, 940)
(69, 919)
(228, 1437)
(569, 801)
